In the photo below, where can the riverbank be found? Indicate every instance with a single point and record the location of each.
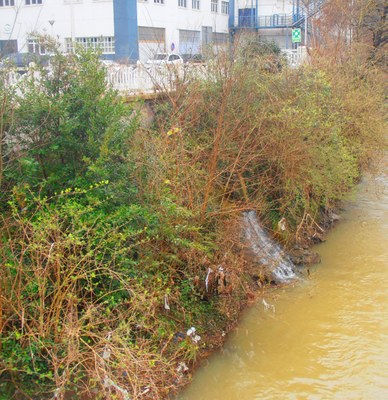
(324, 337)
(260, 284)
(122, 246)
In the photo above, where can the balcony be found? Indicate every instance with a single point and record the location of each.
(247, 18)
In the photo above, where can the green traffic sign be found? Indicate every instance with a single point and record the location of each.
(296, 35)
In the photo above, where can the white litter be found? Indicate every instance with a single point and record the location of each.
(166, 305)
(268, 306)
(209, 271)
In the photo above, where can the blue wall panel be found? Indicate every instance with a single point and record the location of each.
(126, 31)
(231, 14)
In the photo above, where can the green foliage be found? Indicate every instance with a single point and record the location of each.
(289, 143)
(87, 253)
(73, 273)
(62, 120)
(254, 46)
(108, 229)
(252, 49)
(320, 166)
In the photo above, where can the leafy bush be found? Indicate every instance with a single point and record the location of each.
(289, 144)
(58, 122)
(117, 238)
(89, 256)
(81, 289)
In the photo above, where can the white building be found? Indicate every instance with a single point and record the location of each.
(136, 29)
(184, 26)
(123, 29)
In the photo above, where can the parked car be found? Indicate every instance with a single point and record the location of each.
(107, 63)
(165, 58)
(23, 60)
(193, 58)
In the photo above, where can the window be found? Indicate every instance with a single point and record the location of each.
(150, 34)
(7, 3)
(104, 43)
(186, 36)
(189, 42)
(35, 47)
(225, 7)
(220, 38)
(182, 3)
(30, 2)
(159, 1)
(8, 46)
(214, 6)
(195, 4)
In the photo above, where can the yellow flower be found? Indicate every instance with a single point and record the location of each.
(173, 131)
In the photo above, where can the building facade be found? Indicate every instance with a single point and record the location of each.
(275, 20)
(137, 29)
(122, 29)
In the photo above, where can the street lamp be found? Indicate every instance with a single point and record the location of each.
(51, 22)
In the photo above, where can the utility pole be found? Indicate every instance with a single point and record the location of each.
(72, 23)
(305, 26)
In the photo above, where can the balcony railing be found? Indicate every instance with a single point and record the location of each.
(267, 21)
(248, 18)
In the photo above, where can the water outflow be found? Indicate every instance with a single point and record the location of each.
(265, 251)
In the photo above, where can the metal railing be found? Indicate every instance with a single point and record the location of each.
(252, 20)
(266, 21)
(313, 7)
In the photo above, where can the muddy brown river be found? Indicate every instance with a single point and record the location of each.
(325, 337)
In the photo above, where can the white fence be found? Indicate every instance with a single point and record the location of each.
(129, 79)
(144, 79)
(295, 57)
(133, 79)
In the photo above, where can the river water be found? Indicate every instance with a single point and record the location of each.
(327, 336)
